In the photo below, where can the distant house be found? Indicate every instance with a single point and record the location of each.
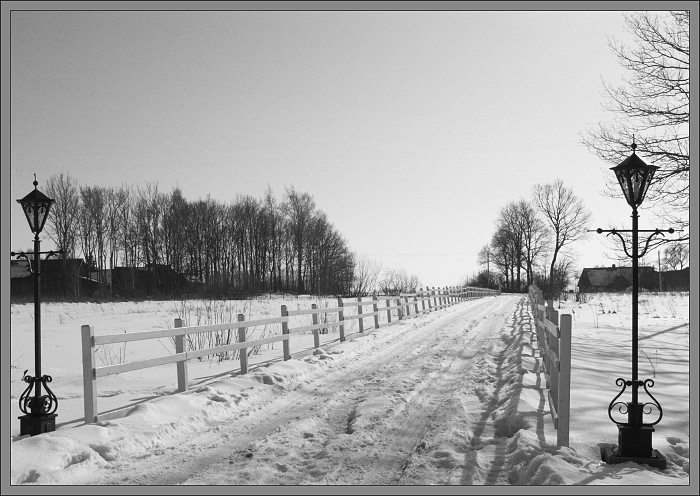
(73, 278)
(151, 280)
(59, 278)
(676, 280)
(614, 278)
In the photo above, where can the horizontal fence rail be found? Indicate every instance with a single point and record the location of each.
(402, 306)
(554, 341)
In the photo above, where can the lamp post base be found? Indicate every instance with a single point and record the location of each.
(611, 455)
(37, 424)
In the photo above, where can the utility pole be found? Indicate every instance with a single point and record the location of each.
(658, 252)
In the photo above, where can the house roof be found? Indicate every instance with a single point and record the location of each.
(604, 276)
(20, 268)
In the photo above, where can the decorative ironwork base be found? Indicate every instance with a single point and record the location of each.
(611, 455)
(36, 424)
(634, 436)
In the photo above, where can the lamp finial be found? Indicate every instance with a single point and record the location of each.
(35, 181)
(634, 145)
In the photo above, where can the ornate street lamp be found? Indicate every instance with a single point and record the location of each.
(39, 410)
(634, 435)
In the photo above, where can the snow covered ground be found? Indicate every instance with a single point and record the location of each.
(453, 397)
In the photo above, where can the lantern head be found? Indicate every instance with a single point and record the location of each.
(634, 176)
(36, 206)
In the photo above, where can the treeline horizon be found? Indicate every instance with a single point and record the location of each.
(207, 247)
(247, 245)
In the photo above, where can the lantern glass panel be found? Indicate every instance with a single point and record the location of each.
(42, 215)
(29, 212)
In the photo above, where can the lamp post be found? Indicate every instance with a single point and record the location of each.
(39, 410)
(634, 435)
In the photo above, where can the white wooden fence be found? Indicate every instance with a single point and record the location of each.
(403, 306)
(554, 342)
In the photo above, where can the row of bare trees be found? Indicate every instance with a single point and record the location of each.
(251, 244)
(531, 239)
(372, 278)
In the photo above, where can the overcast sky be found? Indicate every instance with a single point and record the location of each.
(409, 129)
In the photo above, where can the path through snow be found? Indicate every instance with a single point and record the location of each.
(425, 401)
(452, 397)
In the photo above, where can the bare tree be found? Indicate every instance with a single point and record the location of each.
(175, 220)
(484, 258)
(502, 251)
(91, 221)
(677, 256)
(148, 215)
(366, 276)
(535, 237)
(276, 223)
(558, 279)
(299, 208)
(398, 281)
(652, 105)
(565, 216)
(510, 217)
(62, 224)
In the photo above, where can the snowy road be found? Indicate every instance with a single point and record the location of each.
(452, 397)
(414, 404)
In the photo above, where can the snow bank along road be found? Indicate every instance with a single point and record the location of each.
(422, 401)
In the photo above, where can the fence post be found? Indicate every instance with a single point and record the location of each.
(359, 312)
(388, 311)
(564, 379)
(422, 300)
(341, 318)
(243, 352)
(427, 294)
(285, 331)
(180, 347)
(375, 309)
(553, 344)
(408, 307)
(435, 298)
(89, 380)
(399, 309)
(314, 321)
